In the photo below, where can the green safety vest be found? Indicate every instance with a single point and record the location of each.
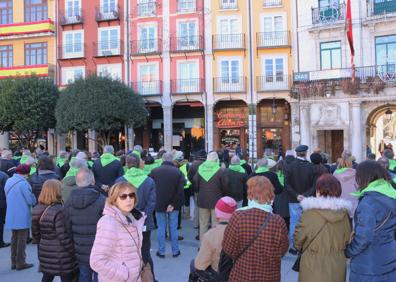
(183, 169)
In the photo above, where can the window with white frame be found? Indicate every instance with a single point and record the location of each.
(73, 44)
(71, 74)
(148, 38)
(229, 33)
(184, 6)
(114, 71)
(108, 7)
(109, 41)
(187, 35)
(73, 9)
(146, 8)
(148, 83)
(230, 75)
(229, 4)
(188, 78)
(273, 31)
(275, 74)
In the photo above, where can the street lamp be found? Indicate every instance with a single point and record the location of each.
(389, 114)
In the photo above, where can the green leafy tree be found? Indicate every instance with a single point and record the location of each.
(100, 104)
(27, 106)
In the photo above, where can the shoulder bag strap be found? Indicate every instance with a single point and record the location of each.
(259, 231)
(42, 215)
(13, 186)
(383, 223)
(320, 230)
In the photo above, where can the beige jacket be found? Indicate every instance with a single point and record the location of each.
(209, 253)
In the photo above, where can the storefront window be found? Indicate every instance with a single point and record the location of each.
(271, 139)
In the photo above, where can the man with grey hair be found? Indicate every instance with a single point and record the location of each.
(6, 164)
(234, 181)
(69, 181)
(169, 183)
(107, 169)
(265, 167)
(83, 209)
(208, 182)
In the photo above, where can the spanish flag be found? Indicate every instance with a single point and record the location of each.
(349, 32)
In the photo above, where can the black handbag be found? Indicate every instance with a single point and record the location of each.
(296, 265)
(208, 275)
(226, 263)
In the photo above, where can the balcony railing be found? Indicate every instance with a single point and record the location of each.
(76, 17)
(27, 28)
(273, 39)
(187, 86)
(385, 72)
(328, 14)
(105, 13)
(272, 3)
(228, 41)
(228, 5)
(37, 70)
(377, 7)
(186, 43)
(146, 46)
(108, 48)
(230, 84)
(148, 88)
(148, 9)
(186, 6)
(72, 51)
(272, 83)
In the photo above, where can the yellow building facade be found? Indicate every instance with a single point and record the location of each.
(27, 38)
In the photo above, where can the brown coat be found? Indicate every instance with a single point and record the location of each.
(324, 260)
(209, 192)
(209, 253)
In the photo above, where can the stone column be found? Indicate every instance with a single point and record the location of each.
(357, 135)
(130, 138)
(168, 127)
(4, 144)
(294, 124)
(51, 146)
(92, 145)
(209, 126)
(60, 142)
(252, 132)
(74, 140)
(305, 125)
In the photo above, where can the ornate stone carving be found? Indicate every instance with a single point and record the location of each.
(330, 114)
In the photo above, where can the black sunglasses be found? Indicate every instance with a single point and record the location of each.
(124, 196)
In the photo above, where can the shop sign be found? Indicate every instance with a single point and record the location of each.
(230, 120)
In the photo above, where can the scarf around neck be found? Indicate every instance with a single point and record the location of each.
(254, 205)
(135, 176)
(72, 171)
(262, 169)
(107, 158)
(380, 186)
(237, 168)
(340, 170)
(207, 169)
(60, 162)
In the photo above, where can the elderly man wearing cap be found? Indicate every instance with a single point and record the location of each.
(20, 200)
(234, 181)
(209, 253)
(299, 183)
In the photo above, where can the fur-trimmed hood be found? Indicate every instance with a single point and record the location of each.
(333, 209)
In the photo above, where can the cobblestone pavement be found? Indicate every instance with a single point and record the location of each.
(167, 270)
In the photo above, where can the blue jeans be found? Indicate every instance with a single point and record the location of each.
(87, 274)
(295, 213)
(162, 219)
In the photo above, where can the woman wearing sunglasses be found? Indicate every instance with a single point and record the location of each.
(116, 253)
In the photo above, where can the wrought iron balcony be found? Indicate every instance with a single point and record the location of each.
(229, 84)
(75, 17)
(108, 48)
(187, 86)
(186, 43)
(72, 51)
(104, 13)
(228, 5)
(228, 41)
(272, 3)
(186, 6)
(147, 9)
(328, 14)
(148, 88)
(273, 39)
(273, 83)
(381, 7)
(146, 46)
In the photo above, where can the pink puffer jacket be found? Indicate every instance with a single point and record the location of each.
(116, 252)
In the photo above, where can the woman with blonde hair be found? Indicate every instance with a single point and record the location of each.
(116, 253)
(55, 247)
(255, 239)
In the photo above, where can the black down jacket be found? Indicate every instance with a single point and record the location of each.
(37, 180)
(55, 247)
(83, 210)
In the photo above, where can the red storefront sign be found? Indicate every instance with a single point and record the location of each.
(230, 120)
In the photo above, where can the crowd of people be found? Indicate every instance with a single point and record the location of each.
(92, 215)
